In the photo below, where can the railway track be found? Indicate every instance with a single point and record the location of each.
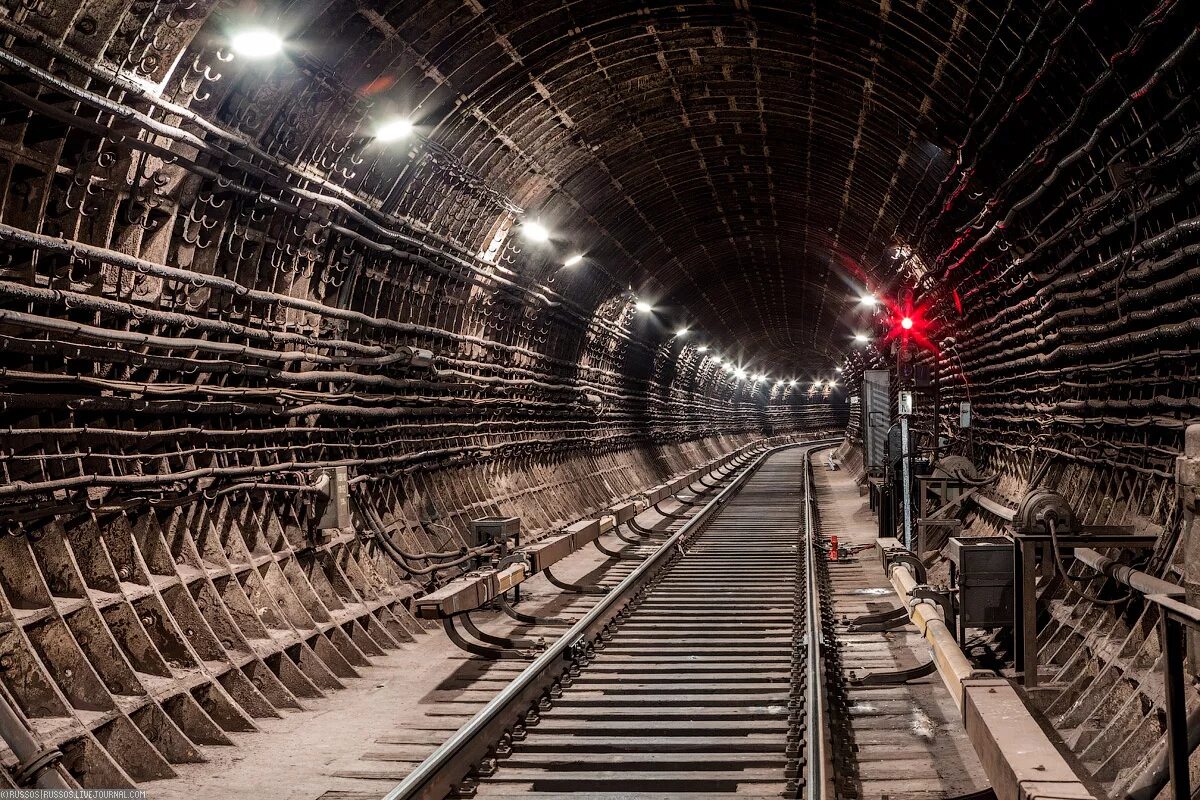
(696, 676)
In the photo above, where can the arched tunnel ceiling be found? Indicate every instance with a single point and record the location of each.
(747, 166)
(747, 157)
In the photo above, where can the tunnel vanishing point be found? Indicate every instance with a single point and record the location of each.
(599, 399)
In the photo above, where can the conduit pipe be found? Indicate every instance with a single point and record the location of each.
(1156, 774)
(953, 666)
(1134, 579)
(1019, 759)
(30, 753)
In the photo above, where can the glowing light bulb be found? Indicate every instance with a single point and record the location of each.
(535, 232)
(643, 307)
(256, 43)
(573, 260)
(793, 383)
(739, 373)
(681, 332)
(861, 338)
(869, 300)
(702, 349)
(906, 323)
(394, 130)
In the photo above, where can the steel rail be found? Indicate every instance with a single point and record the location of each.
(442, 770)
(818, 784)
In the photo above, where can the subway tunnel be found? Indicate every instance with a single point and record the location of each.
(598, 399)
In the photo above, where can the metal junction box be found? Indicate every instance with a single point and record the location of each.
(983, 574)
(496, 529)
(876, 416)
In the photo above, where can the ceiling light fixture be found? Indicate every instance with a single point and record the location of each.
(256, 43)
(394, 130)
(535, 232)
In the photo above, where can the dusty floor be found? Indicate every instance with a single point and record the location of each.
(361, 741)
(908, 739)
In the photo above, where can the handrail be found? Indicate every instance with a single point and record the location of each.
(437, 775)
(818, 783)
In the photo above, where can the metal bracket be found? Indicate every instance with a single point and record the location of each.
(514, 558)
(895, 677)
(607, 552)
(901, 556)
(624, 538)
(645, 533)
(668, 514)
(937, 594)
(488, 638)
(531, 619)
(879, 616)
(884, 621)
(572, 587)
(477, 649)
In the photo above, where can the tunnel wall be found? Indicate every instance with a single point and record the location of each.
(1060, 256)
(210, 292)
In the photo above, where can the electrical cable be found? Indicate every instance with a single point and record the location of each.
(1068, 579)
(378, 527)
(958, 476)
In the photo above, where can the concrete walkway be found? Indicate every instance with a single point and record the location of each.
(908, 740)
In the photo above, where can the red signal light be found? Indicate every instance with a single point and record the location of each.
(909, 324)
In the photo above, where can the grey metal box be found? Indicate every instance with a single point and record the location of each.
(496, 529)
(876, 416)
(984, 567)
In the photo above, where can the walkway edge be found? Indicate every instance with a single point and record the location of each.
(1017, 755)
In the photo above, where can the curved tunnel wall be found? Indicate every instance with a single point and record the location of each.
(1056, 262)
(211, 286)
(213, 279)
